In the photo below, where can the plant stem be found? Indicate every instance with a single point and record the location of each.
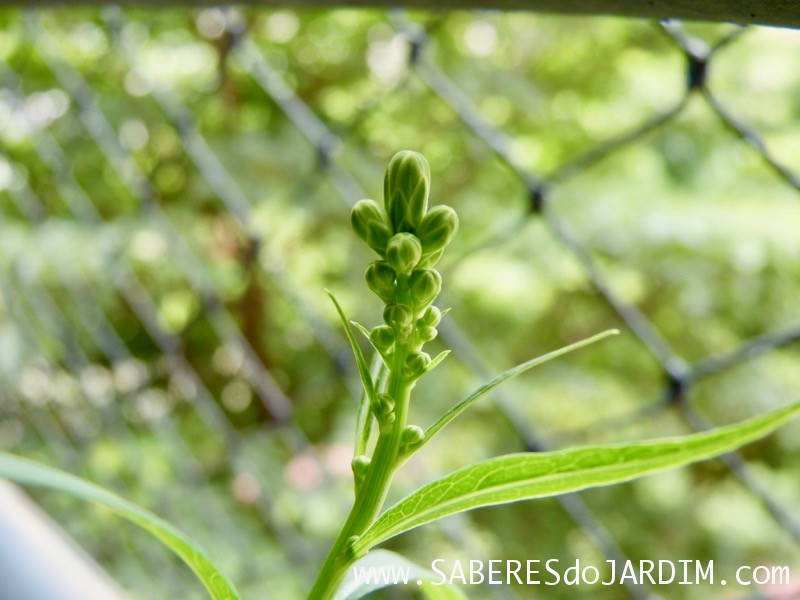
(372, 491)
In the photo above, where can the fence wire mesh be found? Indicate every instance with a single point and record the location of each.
(175, 193)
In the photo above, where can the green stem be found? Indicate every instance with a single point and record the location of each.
(372, 492)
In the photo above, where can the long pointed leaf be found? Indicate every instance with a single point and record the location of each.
(363, 369)
(364, 331)
(29, 473)
(502, 378)
(535, 475)
(436, 360)
(364, 415)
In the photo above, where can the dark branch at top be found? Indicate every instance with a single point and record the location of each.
(785, 13)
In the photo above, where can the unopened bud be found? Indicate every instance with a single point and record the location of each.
(437, 228)
(426, 334)
(384, 411)
(380, 279)
(385, 403)
(403, 252)
(360, 464)
(429, 260)
(405, 190)
(425, 285)
(371, 224)
(411, 438)
(431, 317)
(382, 337)
(400, 318)
(416, 362)
(350, 549)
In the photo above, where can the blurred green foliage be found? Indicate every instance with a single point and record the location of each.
(688, 223)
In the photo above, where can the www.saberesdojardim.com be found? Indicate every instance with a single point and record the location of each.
(555, 572)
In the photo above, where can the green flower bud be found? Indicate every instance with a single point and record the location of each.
(371, 224)
(400, 318)
(429, 260)
(382, 337)
(406, 186)
(384, 411)
(425, 285)
(416, 363)
(437, 228)
(431, 317)
(403, 252)
(350, 549)
(360, 464)
(385, 404)
(411, 438)
(380, 279)
(427, 334)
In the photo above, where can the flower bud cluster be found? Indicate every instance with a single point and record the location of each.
(403, 231)
(410, 240)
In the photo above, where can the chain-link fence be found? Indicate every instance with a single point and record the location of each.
(175, 195)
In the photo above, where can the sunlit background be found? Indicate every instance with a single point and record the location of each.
(174, 197)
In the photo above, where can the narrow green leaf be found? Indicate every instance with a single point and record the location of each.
(362, 329)
(29, 473)
(364, 415)
(502, 378)
(363, 369)
(439, 358)
(535, 475)
(355, 587)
